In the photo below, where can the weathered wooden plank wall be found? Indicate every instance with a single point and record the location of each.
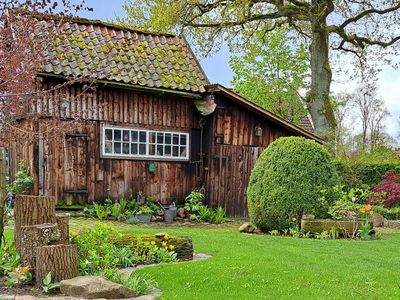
(73, 164)
(233, 151)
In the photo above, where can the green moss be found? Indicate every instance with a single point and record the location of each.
(81, 65)
(69, 56)
(81, 45)
(174, 48)
(92, 53)
(178, 80)
(105, 48)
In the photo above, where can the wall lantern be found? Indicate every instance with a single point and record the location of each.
(258, 131)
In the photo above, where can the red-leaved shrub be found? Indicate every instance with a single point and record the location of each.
(388, 190)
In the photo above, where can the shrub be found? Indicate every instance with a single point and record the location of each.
(388, 190)
(23, 182)
(286, 181)
(348, 204)
(194, 201)
(99, 255)
(388, 213)
(359, 174)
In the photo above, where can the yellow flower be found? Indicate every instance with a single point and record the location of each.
(172, 247)
(153, 243)
(164, 244)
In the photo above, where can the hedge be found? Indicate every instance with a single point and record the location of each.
(388, 213)
(358, 174)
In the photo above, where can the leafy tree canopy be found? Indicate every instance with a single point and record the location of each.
(271, 71)
(345, 25)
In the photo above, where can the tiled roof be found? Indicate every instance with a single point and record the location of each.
(107, 52)
(306, 123)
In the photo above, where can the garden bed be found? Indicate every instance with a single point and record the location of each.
(320, 225)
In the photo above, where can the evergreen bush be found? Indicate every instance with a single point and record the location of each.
(292, 176)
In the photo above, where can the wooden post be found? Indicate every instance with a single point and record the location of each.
(63, 225)
(32, 210)
(60, 260)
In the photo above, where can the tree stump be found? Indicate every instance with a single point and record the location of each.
(36, 236)
(60, 260)
(32, 210)
(63, 225)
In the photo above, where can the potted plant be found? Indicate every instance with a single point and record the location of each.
(144, 214)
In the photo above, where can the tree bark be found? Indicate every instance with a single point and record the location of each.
(36, 236)
(32, 210)
(3, 193)
(63, 226)
(60, 260)
(318, 101)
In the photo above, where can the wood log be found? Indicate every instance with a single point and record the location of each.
(60, 260)
(36, 236)
(32, 210)
(183, 245)
(63, 225)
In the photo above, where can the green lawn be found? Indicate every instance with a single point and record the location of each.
(266, 267)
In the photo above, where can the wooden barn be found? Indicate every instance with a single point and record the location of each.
(145, 119)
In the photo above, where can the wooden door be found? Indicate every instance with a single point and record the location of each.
(76, 166)
(229, 175)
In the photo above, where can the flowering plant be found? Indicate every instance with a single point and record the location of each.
(19, 276)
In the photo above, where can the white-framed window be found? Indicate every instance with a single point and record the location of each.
(122, 142)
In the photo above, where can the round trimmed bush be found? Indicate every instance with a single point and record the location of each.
(293, 176)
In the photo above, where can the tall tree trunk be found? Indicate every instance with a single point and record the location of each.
(3, 193)
(318, 101)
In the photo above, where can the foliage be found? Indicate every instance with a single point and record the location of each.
(23, 182)
(205, 214)
(270, 73)
(98, 255)
(200, 212)
(19, 276)
(101, 211)
(146, 210)
(194, 201)
(294, 231)
(141, 283)
(286, 181)
(9, 259)
(116, 211)
(89, 212)
(149, 252)
(48, 286)
(388, 189)
(284, 264)
(219, 216)
(388, 213)
(364, 173)
(95, 250)
(355, 27)
(365, 231)
(348, 204)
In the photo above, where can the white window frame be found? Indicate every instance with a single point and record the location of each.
(146, 156)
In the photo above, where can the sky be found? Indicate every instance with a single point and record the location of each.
(217, 67)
